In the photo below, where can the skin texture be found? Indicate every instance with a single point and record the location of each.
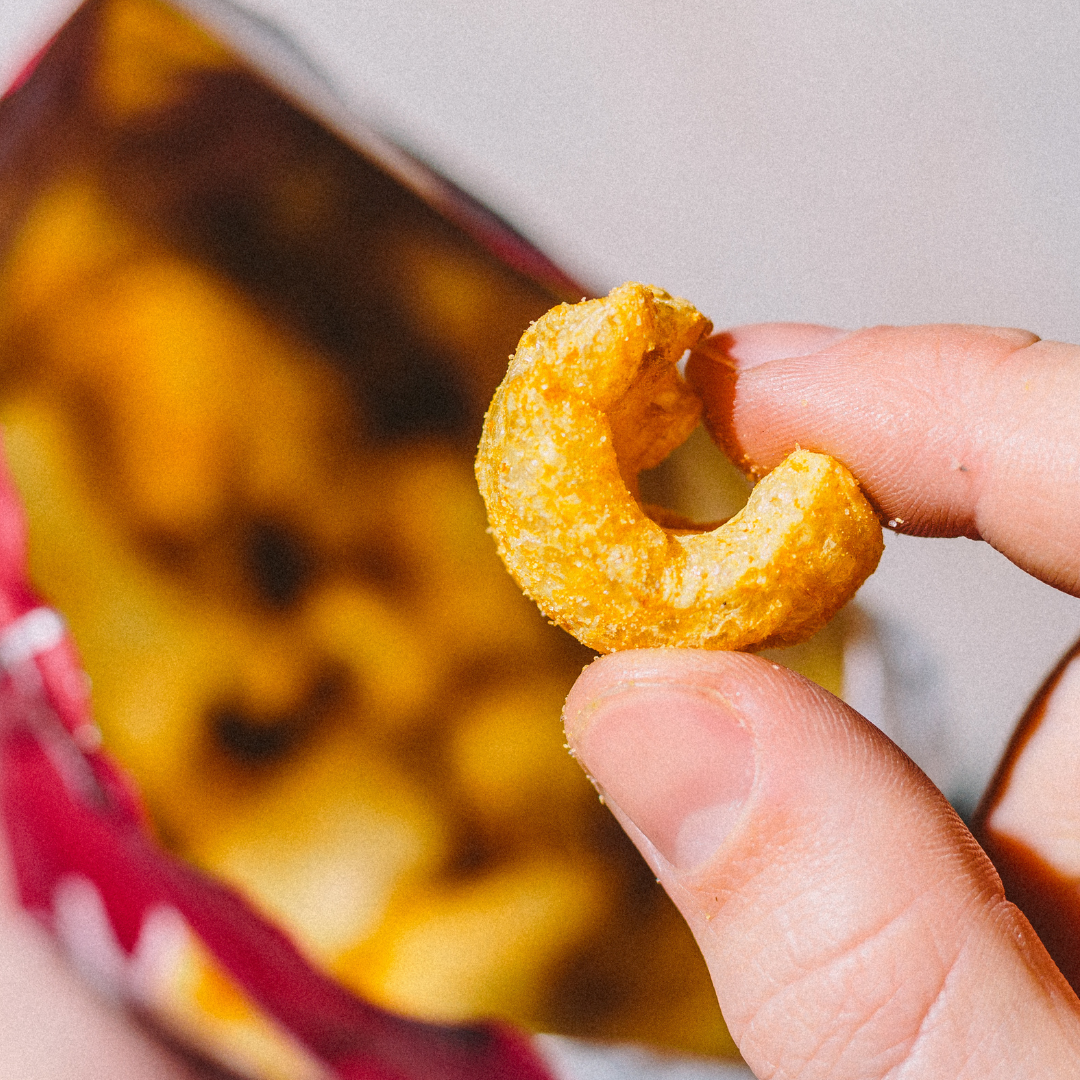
(858, 928)
(591, 398)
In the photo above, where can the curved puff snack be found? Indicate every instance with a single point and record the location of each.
(592, 397)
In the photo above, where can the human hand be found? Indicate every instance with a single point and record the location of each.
(853, 926)
(53, 1025)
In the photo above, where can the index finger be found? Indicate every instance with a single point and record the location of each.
(951, 430)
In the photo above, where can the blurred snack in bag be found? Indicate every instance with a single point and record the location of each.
(246, 350)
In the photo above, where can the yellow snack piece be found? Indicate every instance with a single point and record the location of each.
(592, 397)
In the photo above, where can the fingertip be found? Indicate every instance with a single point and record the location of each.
(637, 667)
(749, 346)
(667, 747)
(715, 367)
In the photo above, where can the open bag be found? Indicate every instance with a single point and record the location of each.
(321, 822)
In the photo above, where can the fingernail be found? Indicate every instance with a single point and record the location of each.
(748, 347)
(674, 759)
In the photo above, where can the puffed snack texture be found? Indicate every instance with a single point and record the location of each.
(592, 397)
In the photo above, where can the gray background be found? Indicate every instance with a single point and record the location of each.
(844, 163)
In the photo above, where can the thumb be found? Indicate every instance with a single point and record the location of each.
(852, 925)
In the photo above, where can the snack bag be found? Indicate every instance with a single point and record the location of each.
(315, 816)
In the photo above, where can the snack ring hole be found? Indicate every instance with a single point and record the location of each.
(696, 481)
